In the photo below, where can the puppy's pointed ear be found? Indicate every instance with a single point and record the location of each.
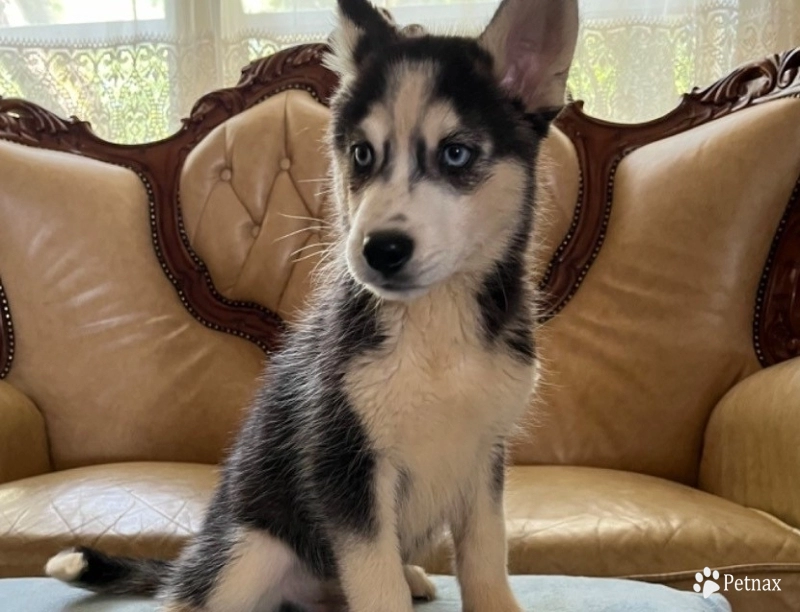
(361, 29)
(532, 43)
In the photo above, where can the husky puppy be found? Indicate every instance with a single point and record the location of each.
(384, 419)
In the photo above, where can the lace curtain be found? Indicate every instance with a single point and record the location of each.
(134, 67)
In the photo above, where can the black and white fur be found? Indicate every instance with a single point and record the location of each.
(385, 418)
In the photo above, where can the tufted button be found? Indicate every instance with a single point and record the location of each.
(226, 174)
(255, 230)
(286, 163)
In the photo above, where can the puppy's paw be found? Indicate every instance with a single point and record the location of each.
(419, 583)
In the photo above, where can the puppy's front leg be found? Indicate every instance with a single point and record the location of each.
(479, 533)
(370, 567)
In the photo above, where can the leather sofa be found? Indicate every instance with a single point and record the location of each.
(142, 289)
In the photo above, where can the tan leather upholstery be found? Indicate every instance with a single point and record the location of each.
(112, 368)
(752, 450)
(145, 509)
(105, 349)
(628, 524)
(661, 328)
(256, 180)
(561, 520)
(598, 522)
(23, 440)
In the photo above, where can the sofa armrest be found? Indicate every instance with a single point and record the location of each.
(752, 443)
(23, 440)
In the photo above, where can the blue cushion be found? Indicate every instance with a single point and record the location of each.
(536, 593)
(571, 594)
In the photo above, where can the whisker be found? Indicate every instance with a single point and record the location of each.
(304, 218)
(308, 256)
(300, 231)
(320, 245)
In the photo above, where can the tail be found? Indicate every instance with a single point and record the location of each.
(89, 569)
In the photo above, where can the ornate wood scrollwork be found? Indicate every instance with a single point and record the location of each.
(159, 165)
(601, 146)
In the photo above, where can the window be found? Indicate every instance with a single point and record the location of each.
(134, 67)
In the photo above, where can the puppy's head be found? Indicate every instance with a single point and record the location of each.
(434, 139)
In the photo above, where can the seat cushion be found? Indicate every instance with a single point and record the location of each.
(597, 522)
(136, 509)
(561, 520)
(538, 594)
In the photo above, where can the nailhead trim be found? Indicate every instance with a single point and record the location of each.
(5, 309)
(6, 323)
(762, 286)
(601, 237)
(199, 264)
(573, 227)
(766, 273)
(290, 86)
(202, 268)
(8, 330)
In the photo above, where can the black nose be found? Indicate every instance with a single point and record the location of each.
(388, 252)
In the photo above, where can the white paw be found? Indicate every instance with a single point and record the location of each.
(66, 566)
(419, 583)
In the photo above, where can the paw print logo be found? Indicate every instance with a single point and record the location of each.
(706, 582)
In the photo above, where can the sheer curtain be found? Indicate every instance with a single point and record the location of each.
(134, 67)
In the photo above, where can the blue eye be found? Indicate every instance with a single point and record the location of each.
(363, 155)
(456, 156)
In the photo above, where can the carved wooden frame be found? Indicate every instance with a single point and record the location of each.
(159, 166)
(601, 146)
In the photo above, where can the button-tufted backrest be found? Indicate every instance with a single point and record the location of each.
(252, 195)
(670, 268)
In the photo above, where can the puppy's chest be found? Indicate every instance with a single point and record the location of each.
(435, 413)
(435, 400)
(436, 393)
